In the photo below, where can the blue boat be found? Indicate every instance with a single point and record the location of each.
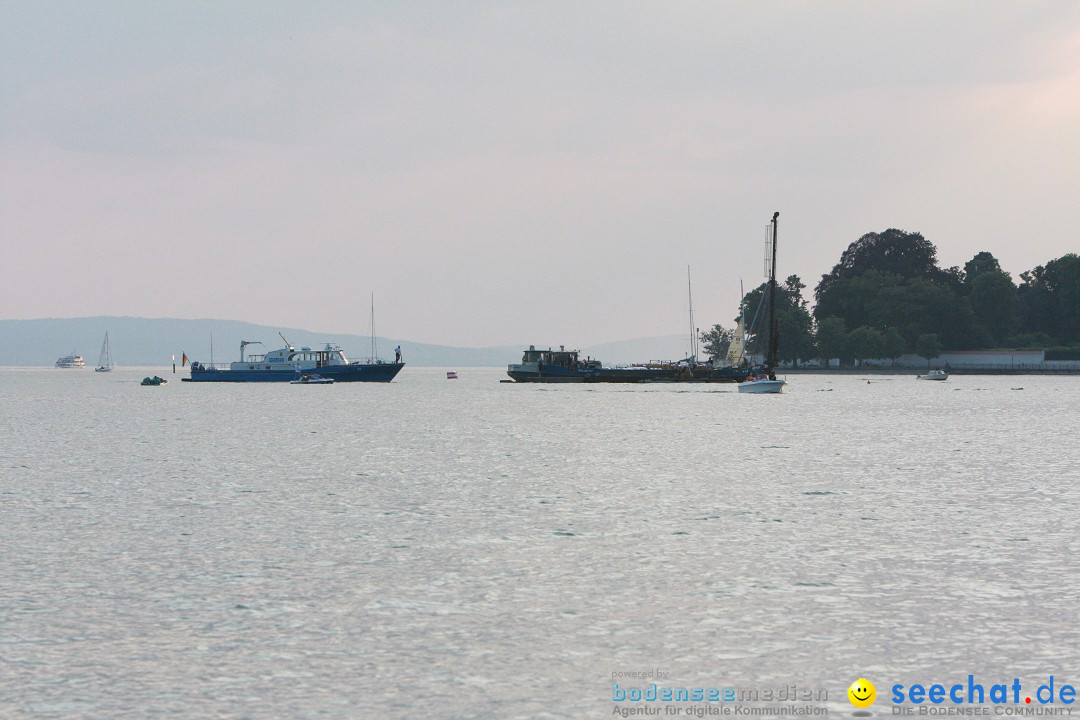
(286, 364)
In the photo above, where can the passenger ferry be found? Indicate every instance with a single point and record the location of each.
(289, 363)
(71, 361)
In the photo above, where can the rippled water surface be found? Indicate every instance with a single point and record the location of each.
(434, 548)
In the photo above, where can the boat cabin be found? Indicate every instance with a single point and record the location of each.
(291, 358)
(556, 358)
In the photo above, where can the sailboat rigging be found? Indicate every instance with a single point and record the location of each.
(766, 381)
(105, 361)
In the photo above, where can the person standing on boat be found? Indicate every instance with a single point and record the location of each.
(397, 354)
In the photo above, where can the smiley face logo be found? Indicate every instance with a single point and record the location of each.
(862, 693)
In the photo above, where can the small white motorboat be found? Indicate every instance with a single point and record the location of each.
(312, 380)
(762, 385)
(451, 375)
(934, 375)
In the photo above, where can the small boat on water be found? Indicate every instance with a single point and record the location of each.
(765, 381)
(762, 383)
(71, 361)
(312, 380)
(154, 381)
(934, 375)
(451, 375)
(105, 362)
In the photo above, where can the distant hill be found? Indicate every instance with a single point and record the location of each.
(153, 341)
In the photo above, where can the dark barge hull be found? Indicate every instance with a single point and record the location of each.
(631, 375)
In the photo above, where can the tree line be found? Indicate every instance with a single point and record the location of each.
(887, 296)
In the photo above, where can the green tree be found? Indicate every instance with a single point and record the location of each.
(996, 304)
(716, 341)
(865, 343)
(792, 317)
(928, 346)
(858, 299)
(982, 263)
(831, 339)
(918, 306)
(893, 344)
(1050, 299)
(796, 330)
(1030, 340)
(788, 297)
(907, 254)
(891, 280)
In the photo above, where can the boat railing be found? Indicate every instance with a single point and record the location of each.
(650, 365)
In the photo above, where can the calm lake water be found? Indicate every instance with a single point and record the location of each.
(471, 549)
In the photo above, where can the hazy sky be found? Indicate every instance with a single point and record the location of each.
(515, 172)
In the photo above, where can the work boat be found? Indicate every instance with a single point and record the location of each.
(765, 381)
(566, 366)
(285, 364)
(550, 366)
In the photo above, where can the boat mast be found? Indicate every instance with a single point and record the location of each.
(374, 346)
(742, 307)
(693, 334)
(774, 330)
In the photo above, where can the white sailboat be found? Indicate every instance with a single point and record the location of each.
(766, 382)
(105, 361)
